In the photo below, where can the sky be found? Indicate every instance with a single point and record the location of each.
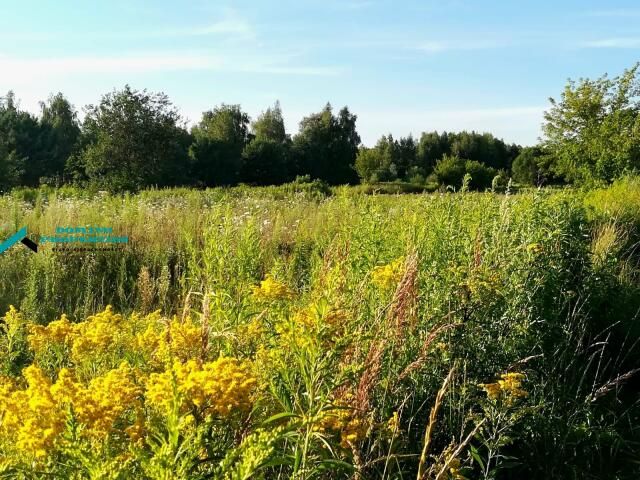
(401, 66)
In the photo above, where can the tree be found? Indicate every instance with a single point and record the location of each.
(133, 139)
(406, 156)
(327, 145)
(219, 140)
(266, 158)
(270, 125)
(593, 131)
(22, 155)
(432, 146)
(266, 163)
(380, 163)
(61, 131)
(450, 170)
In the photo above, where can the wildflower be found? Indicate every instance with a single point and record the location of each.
(454, 469)
(97, 335)
(218, 387)
(57, 333)
(492, 389)
(387, 276)
(511, 384)
(271, 289)
(393, 424)
(508, 387)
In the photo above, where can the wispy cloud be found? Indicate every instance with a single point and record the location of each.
(519, 124)
(231, 24)
(24, 69)
(438, 46)
(621, 42)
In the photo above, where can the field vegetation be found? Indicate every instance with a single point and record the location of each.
(304, 332)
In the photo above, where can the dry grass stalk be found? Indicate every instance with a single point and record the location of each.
(424, 353)
(369, 377)
(431, 425)
(145, 290)
(607, 387)
(403, 306)
(187, 306)
(458, 450)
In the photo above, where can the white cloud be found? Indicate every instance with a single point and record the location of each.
(519, 124)
(37, 69)
(444, 46)
(621, 42)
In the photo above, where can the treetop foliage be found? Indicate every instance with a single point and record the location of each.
(135, 139)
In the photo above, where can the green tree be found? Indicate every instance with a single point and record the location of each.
(266, 163)
(431, 147)
(450, 171)
(531, 167)
(61, 131)
(380, 163)
(22, 156)
(133, 139)
(266, 158)
(326, 146)
(593, 131)
(218, 142)
(270, 125)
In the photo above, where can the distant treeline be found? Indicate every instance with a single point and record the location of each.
(136, 139)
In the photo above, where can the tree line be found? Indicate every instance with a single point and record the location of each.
(135, 139)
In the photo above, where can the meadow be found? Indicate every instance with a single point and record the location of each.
(305, 332)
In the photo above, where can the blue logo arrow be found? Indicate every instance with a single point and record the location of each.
(19, 236)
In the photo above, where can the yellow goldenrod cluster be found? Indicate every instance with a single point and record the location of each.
(271, 289)
(35, 416)
(213, 388)
(176, 339)
(393, 424)
(13, 322)
(30, 418)
(454, 469)
(508, 387)
(97, 335)
(387, 276)
(345, 421)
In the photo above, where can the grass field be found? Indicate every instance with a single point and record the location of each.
(292, 332)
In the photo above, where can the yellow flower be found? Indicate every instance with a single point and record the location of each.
(57, 333)
(508, 387)
(97, 335)
(218, 387)
(387, 276)
(271, 289)
(454, 469)
(493, 390)
(393, 424)
(511, 383)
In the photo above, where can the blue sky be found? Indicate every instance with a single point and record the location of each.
(401, 66)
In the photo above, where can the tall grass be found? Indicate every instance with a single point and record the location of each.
(542, 282)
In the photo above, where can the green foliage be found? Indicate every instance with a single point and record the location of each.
(61, 129)
(593, 131)
(132, 140)
(384, 295)
(218, 141)
(327, 145)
